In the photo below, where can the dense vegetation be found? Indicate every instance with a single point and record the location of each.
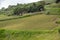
(39, 6)
(28, 35)
(19, 9)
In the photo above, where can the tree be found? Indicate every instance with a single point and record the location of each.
(18, 11)
(57, 1)
(27, 8)
(3, 9)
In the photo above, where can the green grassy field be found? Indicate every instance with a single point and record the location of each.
(32, 26)
(29, 35)
(29, 27)
(53, 9)
(36, 22)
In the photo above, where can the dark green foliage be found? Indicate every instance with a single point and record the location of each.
(23, 35)
(58, 22)
(2, 33)
(48, 13)
(19, 9)
(27, 8)
(59, 30)
(57, 1)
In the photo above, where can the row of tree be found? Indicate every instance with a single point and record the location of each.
(27, 8)
(19, 9)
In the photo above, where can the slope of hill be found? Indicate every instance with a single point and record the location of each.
(31, 26)
(36, 22)
(36, 27)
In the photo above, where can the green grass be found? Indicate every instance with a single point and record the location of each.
(36, 22)
(28, 35)
(54, 9)
(29, 27)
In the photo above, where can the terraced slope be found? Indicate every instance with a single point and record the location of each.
(36, 22)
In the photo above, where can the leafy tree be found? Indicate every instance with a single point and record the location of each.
(19, 9)
(57, 1)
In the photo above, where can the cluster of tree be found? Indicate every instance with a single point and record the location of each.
(57, 1)
(28, 8)
(19, 9)
(7, 11)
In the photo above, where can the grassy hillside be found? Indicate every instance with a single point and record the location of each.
(53, 9)
(36, 22)
(32, 26)
(29, 27)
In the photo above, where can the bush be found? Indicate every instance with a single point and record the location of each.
(59, 30)
(47, 13)
(2, 33)
(58, 22)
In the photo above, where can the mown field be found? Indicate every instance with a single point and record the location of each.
(36, 22)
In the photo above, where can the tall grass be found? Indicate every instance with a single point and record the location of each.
(21, 35)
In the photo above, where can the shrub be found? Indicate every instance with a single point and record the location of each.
(2, 33)
(58, 22)
(59, 30)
